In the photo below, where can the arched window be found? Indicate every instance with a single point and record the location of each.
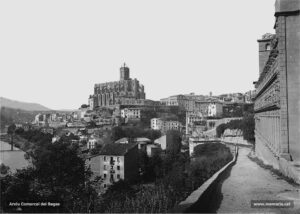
(268, 47)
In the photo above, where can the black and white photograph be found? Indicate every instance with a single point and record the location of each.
(150, 106)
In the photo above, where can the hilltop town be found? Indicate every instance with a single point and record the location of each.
(187, 153)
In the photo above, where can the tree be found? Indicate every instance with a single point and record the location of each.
(117, 133)
(96, 150)
(92, 124)
(58, 173)
(173, 142)
(11, 131)
(248, 127)
(18, 188)
(68, 138)
(152, 134)
(4, 169)
(84, 106)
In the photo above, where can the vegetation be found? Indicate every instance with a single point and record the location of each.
(84, 106)
(119, 132)
(9, 116)
(247, 125)
(273, 170)
(97, 149)
(173, 177)
(27, 140)
(3, 169)
(57, 174)
(237, 110)
(173, 142)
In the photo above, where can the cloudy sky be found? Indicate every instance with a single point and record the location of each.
(53, 52)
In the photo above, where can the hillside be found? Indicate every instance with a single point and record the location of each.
(10, 115)
(4, 102)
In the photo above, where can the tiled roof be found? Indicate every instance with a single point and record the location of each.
(119, 149)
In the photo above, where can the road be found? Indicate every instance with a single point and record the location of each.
(244, 182)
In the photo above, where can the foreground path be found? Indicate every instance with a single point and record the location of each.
(248, 181)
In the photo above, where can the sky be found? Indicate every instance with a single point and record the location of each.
(53, 52)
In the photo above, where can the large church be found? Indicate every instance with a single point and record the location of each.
(126, 91)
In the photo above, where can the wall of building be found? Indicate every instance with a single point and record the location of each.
(162, 141)
(293, 79)
(97, 164)
(277, 102)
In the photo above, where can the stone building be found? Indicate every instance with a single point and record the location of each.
(124, 91)
(277, 101)
(191, 120)
(209, 108)
(183, 102)
(165, 125)
(115, 161)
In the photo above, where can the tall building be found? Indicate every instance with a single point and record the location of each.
(124, 91)
(277, 101)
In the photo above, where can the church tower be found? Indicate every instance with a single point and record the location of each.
(124, 73)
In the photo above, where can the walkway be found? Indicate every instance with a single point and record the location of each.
(244, 182)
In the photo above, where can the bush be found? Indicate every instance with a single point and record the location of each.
(176, 178)
(247, 125)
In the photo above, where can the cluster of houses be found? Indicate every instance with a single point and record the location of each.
(119, 160)
(90, 126)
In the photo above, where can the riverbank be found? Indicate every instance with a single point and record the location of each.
(18, 141)
(14, 159)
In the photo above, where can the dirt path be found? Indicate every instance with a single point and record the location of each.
(248, 181)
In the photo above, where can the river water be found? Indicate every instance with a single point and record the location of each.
(14, 159)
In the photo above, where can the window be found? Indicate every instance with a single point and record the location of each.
(268, 47)
(104, 158)
(111, 159)
(104, 185)
(104, 176)
(118, 176)
(118, 167)
(118, 159)
(104, 167)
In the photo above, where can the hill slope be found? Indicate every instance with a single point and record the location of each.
(10, 115)
(4, 102)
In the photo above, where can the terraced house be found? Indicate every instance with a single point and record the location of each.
(277, 102)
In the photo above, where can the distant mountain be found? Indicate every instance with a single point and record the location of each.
(4, 102)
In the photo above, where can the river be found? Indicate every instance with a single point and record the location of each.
(14, 159)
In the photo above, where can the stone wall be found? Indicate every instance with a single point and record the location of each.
(277, 103)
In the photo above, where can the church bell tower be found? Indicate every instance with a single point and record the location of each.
(124, 73)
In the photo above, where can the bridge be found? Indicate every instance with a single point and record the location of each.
(212, 132)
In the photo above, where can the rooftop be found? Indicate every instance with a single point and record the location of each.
(118, 149)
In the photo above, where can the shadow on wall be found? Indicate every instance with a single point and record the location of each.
(211, 199)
